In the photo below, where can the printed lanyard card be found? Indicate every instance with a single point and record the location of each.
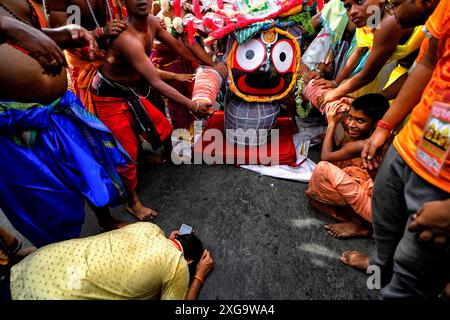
(434, 148)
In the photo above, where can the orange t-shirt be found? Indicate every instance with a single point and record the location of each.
(423, 50)
(409, 141)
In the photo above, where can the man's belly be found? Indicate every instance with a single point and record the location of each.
(23, 79)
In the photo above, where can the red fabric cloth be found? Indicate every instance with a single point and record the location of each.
(116, 115)
(285, 154)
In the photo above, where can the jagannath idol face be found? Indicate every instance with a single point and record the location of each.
(264, 67)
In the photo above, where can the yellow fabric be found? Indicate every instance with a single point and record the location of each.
(135, 262)
(291, 12)
(395, 74)
(407, 141)
(412, 44)
(364, 37)
(378, 83)
(82, 74)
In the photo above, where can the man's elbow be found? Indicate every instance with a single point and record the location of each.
(182, 49)
(325, 157)
(366, 78)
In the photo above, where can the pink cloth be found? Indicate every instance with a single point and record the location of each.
(350, 186)
(207, 84)
(312, 92)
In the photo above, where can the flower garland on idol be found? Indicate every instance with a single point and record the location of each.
(219, 18)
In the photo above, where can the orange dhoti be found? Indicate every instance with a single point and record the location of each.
(129, 118)
(82, 72)
(350, 186)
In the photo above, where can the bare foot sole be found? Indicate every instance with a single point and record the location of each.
(142, 213)
(346, 230)
(355, 259)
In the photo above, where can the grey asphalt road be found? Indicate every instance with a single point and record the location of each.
(266, 240)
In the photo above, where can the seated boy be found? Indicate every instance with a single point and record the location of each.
(339, 185)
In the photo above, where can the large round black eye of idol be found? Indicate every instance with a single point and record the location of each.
(250, 55)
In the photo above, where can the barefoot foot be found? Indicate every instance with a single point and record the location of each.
(140, 212)
(355, 259)
(346, 230)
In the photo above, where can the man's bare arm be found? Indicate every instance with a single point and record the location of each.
(39, 46)
(411, 92)
(406, 100)
(198, 51)
(134, 52)
(394, 88)
(385, 42)
(351, 64)
(204, 267)
(194, 290)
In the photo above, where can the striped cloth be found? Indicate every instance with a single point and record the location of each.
(312, 92)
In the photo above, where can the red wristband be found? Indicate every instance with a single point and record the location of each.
(99, 32)
(199, 279)
(385, 125)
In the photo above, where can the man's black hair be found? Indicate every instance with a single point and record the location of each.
(192, 249)
(373, 105)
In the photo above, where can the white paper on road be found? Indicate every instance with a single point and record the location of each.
(303, 172)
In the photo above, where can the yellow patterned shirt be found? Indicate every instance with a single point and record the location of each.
(135, 262)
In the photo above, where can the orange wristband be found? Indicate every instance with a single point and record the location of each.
(199, 279)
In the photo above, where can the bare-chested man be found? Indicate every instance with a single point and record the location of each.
(105, 20)
(116, 96)
(46, 172)
(164, 58)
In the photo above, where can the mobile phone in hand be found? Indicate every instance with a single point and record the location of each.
(185, 229)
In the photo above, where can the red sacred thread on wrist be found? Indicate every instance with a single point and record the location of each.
(99, 32)
(199, 279)
(385, 125)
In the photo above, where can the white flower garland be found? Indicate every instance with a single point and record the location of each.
(165, 5)
(256, 6)
(177, 23)
(174, 25)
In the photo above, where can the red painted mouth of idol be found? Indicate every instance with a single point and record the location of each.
(242, 84)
